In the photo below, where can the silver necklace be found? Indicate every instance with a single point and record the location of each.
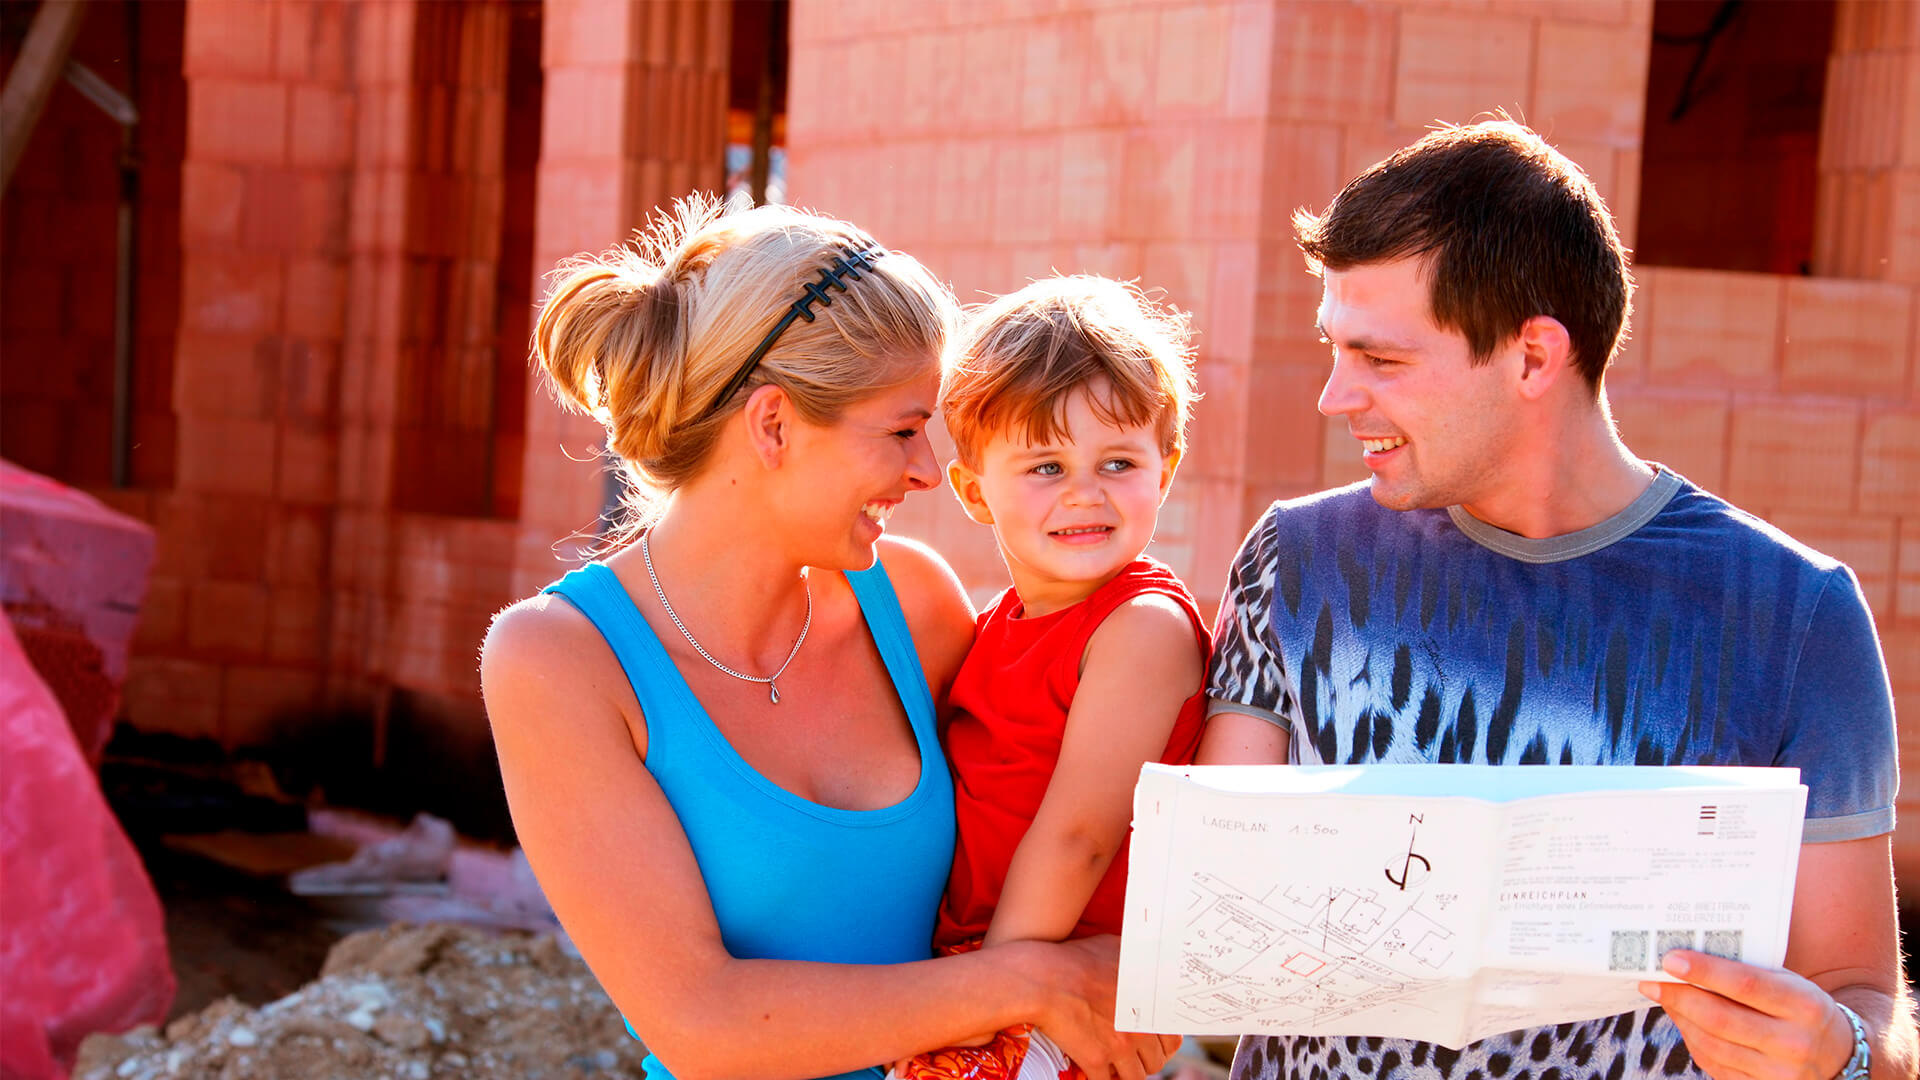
(773, 691)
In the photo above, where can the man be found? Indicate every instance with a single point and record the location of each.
(1513, 586)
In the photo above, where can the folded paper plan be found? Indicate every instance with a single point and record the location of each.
(1443, 903)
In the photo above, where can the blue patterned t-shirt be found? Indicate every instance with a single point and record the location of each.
(1681, 631)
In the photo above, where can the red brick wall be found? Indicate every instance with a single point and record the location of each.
(1170, 140)
(58, 225)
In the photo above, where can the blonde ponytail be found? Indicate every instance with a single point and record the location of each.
(646, 336)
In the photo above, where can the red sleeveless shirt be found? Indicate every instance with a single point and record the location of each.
(1007, 712)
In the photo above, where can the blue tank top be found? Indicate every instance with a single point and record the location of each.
(790, 879)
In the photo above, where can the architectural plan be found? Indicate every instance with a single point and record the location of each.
(1441, 902)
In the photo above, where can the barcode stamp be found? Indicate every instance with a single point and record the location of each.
(1629, 951)
(1722, 943)
(1668, 940)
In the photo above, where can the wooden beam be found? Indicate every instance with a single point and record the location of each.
(38, 69)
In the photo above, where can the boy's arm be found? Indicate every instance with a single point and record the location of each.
(1141, 666)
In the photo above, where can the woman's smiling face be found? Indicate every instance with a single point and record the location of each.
(850, 475)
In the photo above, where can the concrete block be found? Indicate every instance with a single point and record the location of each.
(1847, 337)
(1794, 455)
(1714, 328)
(1890, 463)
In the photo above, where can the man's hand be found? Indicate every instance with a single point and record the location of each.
(1748, 1023)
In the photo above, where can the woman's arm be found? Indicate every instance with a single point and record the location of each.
(614, 862)
(1141, 666)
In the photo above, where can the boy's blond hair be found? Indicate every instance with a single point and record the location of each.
(1023, 355)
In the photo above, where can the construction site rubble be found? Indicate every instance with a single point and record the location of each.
(407, 1002)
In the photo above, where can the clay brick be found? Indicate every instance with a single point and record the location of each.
(312, 40)
(383, 42)
(1863, 543)
(1333, 61)
(237, 122)
(1158, 183)
(1714, 328)
(34, 299)
(1179, 274)
(320, 212)
(297, 626)
(1190, 73)
(174, 696)
(210, 537)
(230, 293)
(1217, 428)
(309, 464)
(1054, 69)
(993, 60)
(1592, 82)
(1686, 434)
(1454, 67)
(316, 298)
(1303, 168)
(1629, 365)
(153, 449)
(1599, 12)
(1890, 464)
(1121, 49)
(1847, 337)
(211, 196)
(1903, 241)
(1286, 445)
(322, 132)
(1089, 190)
(225, 375)
(1906, 582)
(1623, 201)
(1227, 181)
(1793, 455)
(228, 455)
(1231, 302)
(227, 618)
(1250, 60)
(229, 41)
(163, 615)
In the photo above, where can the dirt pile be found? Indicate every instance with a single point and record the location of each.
(402, 1003)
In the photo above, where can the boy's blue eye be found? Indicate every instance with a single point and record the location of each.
(1118, 465)
(906, 433)
(1047, 468)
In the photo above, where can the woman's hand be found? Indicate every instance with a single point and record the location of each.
(1076, 1008)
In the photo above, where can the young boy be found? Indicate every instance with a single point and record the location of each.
(1069, 408)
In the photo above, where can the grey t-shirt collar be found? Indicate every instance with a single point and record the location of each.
(1574, 544)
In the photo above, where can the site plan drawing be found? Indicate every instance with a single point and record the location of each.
(1443, 903)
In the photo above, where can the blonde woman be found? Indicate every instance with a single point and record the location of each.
(718, 742)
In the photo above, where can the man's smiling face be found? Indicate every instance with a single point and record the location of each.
(1433, 427)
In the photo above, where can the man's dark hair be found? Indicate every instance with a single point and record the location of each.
(1511, 229)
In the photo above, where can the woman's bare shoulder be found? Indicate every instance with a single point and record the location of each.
(541, 651)
(535, 631)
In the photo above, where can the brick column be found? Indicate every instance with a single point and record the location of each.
(634, 115)
(1867, 221)
(245, 534)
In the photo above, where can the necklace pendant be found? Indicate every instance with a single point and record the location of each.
(774, 693)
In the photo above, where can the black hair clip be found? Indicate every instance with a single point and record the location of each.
(846, 266)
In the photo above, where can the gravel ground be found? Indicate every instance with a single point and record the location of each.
(402, 1003)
